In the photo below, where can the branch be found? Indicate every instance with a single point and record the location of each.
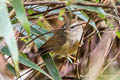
(63, 3)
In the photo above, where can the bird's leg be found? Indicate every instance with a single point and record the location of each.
(75, 64)
(61, 66)
(81, 43)
(71, 59)
(64, 67)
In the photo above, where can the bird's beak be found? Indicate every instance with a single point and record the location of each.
(67, 30)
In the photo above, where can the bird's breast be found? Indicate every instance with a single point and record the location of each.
(67, 49)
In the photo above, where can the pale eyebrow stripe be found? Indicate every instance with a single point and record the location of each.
(77, 25)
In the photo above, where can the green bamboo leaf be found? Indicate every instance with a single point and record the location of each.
(29, 63)
(101, 16)
(51, 67)
(30, 11)
(26, 62)
(80, 0)
(85, 17)
(11, 68)
(118, 34)
(89, 8)
(7, 33)
(62, 11)
(97, 1)
(20, 13)
(60, 18)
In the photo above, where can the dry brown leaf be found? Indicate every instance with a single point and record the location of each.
(99, 54)
(5, 74)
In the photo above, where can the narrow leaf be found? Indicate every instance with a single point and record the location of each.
(25, 61)
(11, 68)
(89, 8)
(83, 16)
(118, 34)
(62, 11)
(6, 31)
(20, 13)
(51, 67)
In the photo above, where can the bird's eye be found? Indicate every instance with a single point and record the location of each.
(72, 27)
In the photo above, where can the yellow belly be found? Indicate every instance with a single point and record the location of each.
(67, 49)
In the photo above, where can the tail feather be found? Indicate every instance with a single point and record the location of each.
(43, 51)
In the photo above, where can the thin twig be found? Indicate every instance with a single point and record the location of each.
(58, 7)
(33, 40)
(31, 69)
(63, 3)
(118, 53)
(53, 14)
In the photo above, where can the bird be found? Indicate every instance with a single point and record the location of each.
(65, 41)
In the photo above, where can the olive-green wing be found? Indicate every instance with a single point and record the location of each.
(52, 44)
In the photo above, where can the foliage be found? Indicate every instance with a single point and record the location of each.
(27, 25)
